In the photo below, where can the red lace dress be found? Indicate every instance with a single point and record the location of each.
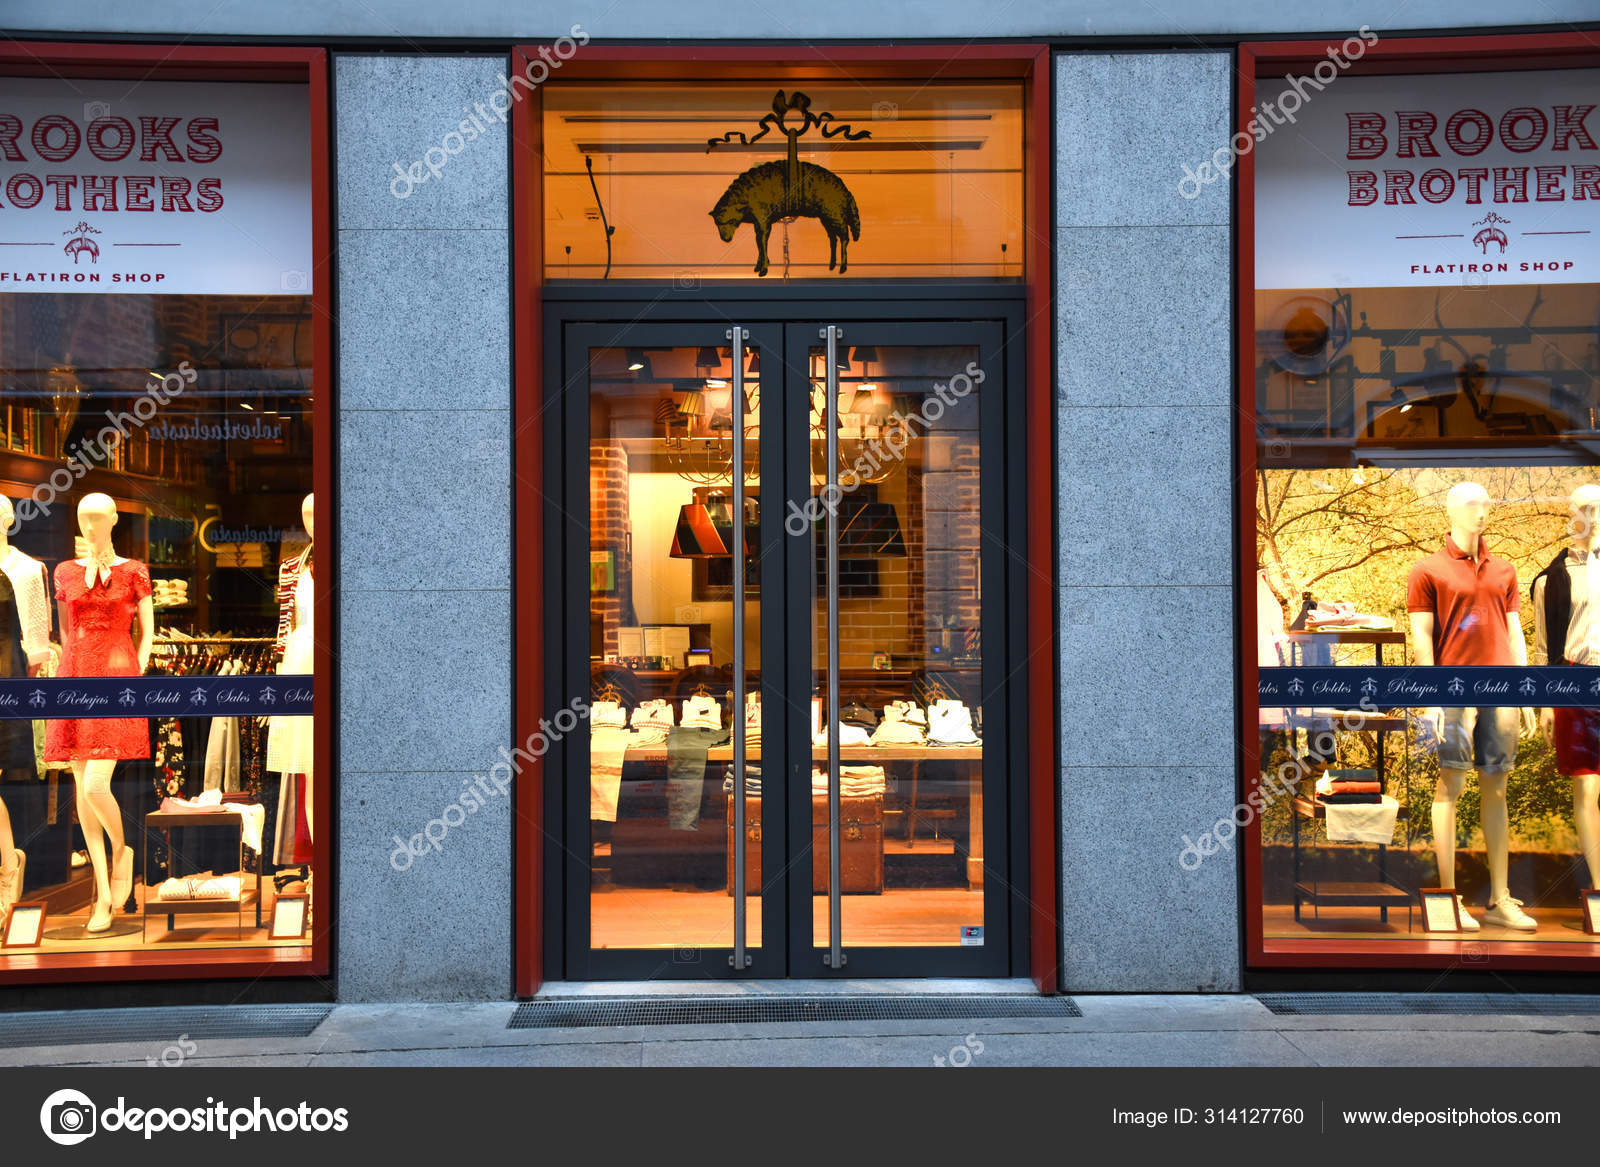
(97, 641)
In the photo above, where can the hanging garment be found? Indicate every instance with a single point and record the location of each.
(222, 755)
(16, 736)
(687, 747)
(289, 739)
(608, 746)
(30, 585)
(98, 642)
(293, 828)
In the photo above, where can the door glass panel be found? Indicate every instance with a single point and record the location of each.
(911, 821)
(661, 538)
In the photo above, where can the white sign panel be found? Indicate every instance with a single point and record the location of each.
(1443, 179)
(163, 187)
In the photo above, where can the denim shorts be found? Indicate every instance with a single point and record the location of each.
(1482, 739)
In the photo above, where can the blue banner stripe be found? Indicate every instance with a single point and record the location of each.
(198, 696)
(1397, 686)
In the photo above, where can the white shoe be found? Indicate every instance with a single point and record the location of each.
(1468, 923)
(1507, 913)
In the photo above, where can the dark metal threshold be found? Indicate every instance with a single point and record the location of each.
(196, 1022)
(589, 1012)
(1438, 1004)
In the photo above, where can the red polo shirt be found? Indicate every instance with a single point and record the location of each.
(1470, 600)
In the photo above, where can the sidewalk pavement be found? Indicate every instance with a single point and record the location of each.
(1232, 1030)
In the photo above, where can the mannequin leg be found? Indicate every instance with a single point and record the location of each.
(1586, 816)
(8, 844)
(1496, 830)
(1445, 793)
(94, 839)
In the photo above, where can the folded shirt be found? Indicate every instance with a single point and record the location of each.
(701, 712)
(1346, 787)
(653, 714)
(1351, 798)
(849, 735)
(607, 715)
(201, 887)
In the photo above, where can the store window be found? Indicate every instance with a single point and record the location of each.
(722, 181)
(158, 581)
(1426, 390)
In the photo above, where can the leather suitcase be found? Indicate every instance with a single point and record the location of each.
(860, 839)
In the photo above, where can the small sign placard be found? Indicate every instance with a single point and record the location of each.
(289, 917)
(24, 927)
(972, 936)
(1591, 910)
(1440, 912)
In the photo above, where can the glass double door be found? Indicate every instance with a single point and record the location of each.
(793, 665)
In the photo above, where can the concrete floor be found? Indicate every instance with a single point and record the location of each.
(1113, 1031)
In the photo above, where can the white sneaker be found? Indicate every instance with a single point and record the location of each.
(1507, 913)
(1468, 922)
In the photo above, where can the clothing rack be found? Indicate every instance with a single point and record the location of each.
(213, 640)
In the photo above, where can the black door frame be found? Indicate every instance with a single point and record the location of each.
(765, 308)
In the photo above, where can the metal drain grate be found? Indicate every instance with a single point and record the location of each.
(1415, 1004)
(581, 1012)
(197, 1022)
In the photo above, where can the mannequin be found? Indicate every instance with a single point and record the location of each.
(1571, 602)
(98, 598)
(289, 741)
(1464, 606)
(22, 580)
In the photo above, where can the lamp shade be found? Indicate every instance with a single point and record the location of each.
(696, 536)
(702, 534)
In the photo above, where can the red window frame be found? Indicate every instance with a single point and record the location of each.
(1467, 54)
(233, 63)
(1028, 62)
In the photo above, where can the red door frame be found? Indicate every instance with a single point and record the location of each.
(1465, 54)
(1028, 62)
(234, 63)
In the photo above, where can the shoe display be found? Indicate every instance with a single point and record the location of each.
(1506, 912)
(1468, 923)
(122, 879)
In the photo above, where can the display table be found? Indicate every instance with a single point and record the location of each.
(863, 755)
(166, 821)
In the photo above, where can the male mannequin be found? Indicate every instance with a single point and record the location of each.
(1463, 604)
(289, 740)
(1566, 611)
(99, 597)
(24, 577)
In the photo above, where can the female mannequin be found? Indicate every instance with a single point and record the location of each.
(289, 740)
(24, 648)
(98, 597)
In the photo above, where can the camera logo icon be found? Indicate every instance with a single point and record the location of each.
(885, 111)
(68, 1117)
(95, 110)
(295, 281)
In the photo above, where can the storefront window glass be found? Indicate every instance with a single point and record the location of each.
(157, 577)
(1427, 395)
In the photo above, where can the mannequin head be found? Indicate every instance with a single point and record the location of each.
(306, 517)
(1467, 506)
(97, 514)
(1585, 503)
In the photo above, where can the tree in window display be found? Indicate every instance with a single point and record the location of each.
(100, 597)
